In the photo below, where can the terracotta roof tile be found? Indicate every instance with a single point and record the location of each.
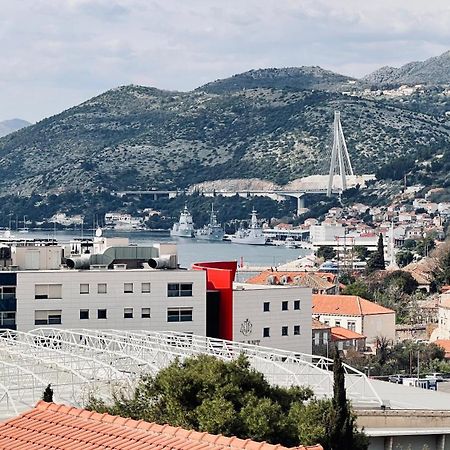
(55, 427)
(342, 334)
(317, 280)
(346, 305)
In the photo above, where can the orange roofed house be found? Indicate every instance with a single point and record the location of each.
(356, 314)
(59, 427)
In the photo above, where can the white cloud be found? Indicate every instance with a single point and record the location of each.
(57, 53)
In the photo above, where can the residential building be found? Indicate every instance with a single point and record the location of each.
(344, 339)
(320, 282)
(356, 314)
(61, 427)
(320, 338)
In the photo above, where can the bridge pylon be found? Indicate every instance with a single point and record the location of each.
(340, 160)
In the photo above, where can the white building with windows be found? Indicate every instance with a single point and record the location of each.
(273, 316)
(105, 284)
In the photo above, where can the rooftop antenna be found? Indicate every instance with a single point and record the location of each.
(340, 159)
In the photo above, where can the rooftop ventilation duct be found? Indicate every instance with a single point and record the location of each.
(163, 262)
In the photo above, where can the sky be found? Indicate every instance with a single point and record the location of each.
(55, 54)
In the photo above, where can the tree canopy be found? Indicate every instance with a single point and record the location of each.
(230, 398)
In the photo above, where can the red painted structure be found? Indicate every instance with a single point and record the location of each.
(220, 277)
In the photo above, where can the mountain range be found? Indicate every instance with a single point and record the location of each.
(273, 124)
(11, 125)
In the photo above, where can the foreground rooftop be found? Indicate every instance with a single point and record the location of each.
(52, 426)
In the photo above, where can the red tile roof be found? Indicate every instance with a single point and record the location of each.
(318, 325)
(445, 344)
(59, 427)
(342, 334)
(317, 280)
(346, 305)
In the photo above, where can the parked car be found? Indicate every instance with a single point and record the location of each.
(435, 376)
(396, 378)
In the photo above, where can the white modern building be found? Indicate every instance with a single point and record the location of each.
(107, 284)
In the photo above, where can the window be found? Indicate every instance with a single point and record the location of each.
(101, 314)
(7, 292)
(351, 326)
(337, 323)
(145, 313)
(266, 332)
(127, 313)
(284, 331)
(297, 304)
(42, 291)
(284, 306)
(128, 288)
(84, 314)
(145, 288)
(326, 322)
(325, 337)
(84, 288)
(179, 290)
(266, 306)
(102, 288)
(47, 317)
(297, 330)
(179, 315)
(7, 318)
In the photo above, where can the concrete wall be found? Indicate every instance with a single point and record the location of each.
(115, 300)
(377, 325)
(248, 306)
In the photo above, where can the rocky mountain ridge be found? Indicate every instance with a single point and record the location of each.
(272, 124)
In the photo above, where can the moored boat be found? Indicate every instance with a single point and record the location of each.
(213, 231)
(184, 227)
(252, 235)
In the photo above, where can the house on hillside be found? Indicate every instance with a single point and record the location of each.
(355, 314)
(320, 283)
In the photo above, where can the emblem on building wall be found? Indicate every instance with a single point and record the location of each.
(246, 327)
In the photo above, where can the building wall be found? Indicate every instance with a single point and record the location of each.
(334, 320)
(115, 300)
(377, 325)
(443, 330)
(249, 317)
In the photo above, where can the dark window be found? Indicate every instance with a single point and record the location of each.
(179, 315)
(284, 306)
(127, 313)
(128, 288)
(7, 318)
(145, 313)
(296, 304)
(284, 331)
(101, 313)
(179, 290)
(54, 319)
(266, 306)
(84, 314)
(266, 332)
(296, 330)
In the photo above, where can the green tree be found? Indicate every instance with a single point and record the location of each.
(327, 252)
(358, 288)
(230, 398)
(404, 257)
(376, 260)
(47, 396)
(341, 427)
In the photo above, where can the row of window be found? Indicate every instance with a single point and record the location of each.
(54, 291)
(284, 331)
(337, 323)
(53, 317)
(284, 306)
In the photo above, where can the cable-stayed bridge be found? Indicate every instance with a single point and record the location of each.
(340, 178)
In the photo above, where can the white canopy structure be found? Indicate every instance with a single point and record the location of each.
(79, 363)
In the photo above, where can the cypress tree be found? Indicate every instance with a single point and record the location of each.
(47, 396)
(376, 260)
(342, 431)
